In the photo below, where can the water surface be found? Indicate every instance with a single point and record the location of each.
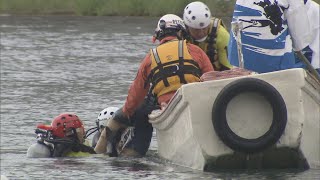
(56, 64)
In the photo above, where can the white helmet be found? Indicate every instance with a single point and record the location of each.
(168, 22)
(105, 115)
(197, 15)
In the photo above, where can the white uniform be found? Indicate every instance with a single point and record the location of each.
(271, 30)
(313, 14)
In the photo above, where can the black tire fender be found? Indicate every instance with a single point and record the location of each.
(222, 128)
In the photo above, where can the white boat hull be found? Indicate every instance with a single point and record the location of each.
(186, 135)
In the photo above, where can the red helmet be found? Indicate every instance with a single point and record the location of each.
(63, 124)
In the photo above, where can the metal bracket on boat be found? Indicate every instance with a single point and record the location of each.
(314, 84)
(309, 66)
(236, 27)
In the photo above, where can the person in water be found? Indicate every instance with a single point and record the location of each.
(101, 122)
(163, 71)
(209, 33)
(63, 138)
(121, 140)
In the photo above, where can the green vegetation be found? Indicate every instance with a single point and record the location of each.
(35, 7)
(220, 8)
(109, 7)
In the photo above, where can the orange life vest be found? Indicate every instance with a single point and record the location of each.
(171, 66)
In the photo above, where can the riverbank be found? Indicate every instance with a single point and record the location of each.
(220, 8)
(156, 8)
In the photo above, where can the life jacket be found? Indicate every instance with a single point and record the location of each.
(72, 150)
(209, 46)
(77, 154)
(171, 67)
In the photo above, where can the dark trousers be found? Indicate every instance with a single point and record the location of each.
(143, 129)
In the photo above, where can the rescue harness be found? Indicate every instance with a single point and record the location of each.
(170, 69)
(211, 41)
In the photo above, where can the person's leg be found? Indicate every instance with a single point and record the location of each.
(142, 134)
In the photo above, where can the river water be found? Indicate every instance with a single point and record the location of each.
(56, 64)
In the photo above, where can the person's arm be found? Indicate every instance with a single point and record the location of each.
(298, 23)
(135, 97)
(223, 37)
(314, 17)
(137, 90)
(101, 146)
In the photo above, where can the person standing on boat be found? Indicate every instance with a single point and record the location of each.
(209, 33)
(312, 51)
(271, 31)
(63, 138)
(164, 70)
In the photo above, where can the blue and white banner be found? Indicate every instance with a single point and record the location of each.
(271, 29)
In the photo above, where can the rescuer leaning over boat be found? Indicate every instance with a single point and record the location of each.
(164, 69)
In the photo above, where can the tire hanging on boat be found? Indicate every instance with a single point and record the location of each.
(222, 128)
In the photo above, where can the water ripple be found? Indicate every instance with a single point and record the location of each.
(51, 65)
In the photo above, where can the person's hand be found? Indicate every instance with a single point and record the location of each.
(119, 120)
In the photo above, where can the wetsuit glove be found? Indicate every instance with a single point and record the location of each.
(120, 117)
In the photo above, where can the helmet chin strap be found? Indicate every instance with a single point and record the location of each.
(202, 39)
